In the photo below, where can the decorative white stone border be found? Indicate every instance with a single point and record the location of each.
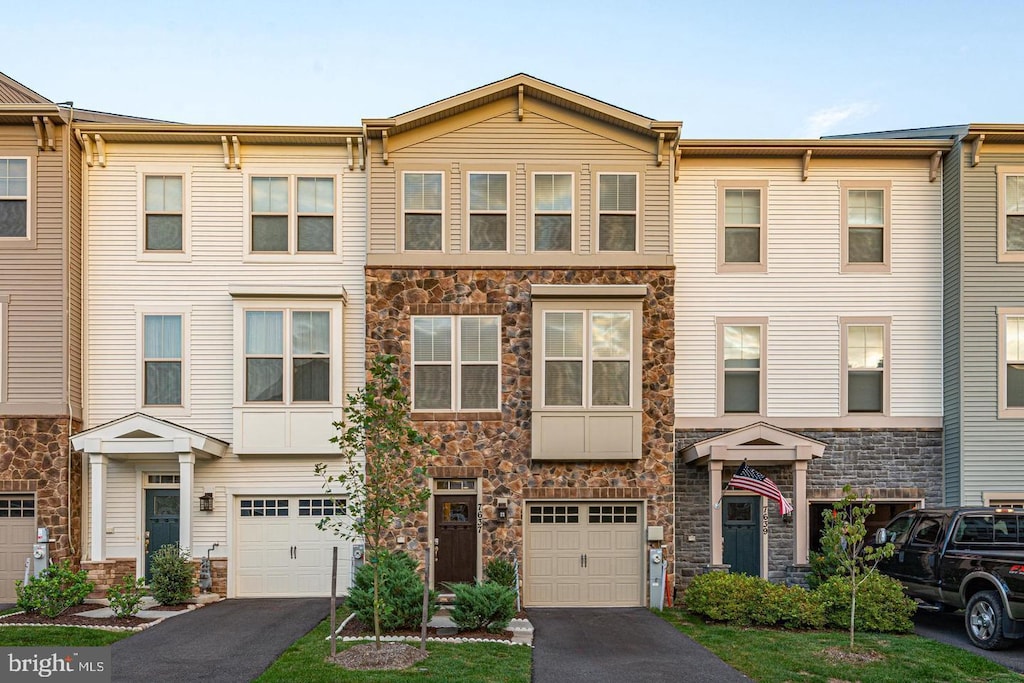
(430, 639)
(104, 627)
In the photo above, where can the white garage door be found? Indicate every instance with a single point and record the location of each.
(281, 553)
(584, 554)
(17, 534)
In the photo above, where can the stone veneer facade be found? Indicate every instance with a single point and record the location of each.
(895, 464)
(36, 457)
(495, 446)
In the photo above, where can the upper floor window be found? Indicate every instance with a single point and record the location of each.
(456, 362)
(281, 225)
(299, 340)
(866, 232)
(162, 359)
(552, 211)
(588, 358)
(865, 380)
(422, 214)
(742, 226)
(1011, 212)
(163, 213)
(742, 376)
(1011, 362)
(617, 206)
(14, 197)
(488, 212)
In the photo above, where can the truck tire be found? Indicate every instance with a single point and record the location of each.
(984, 621)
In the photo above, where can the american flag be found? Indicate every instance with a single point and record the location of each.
(749, 479)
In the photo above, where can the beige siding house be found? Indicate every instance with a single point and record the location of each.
(225, 325)
(808, 339)
(520, 267)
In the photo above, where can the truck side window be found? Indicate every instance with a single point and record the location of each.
(974, 530)
(927, 532)
(899, 528)
(1005, 529)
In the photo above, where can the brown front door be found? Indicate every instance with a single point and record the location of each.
(454, 540)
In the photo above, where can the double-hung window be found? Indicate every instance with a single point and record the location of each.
(456, 362)
(1011, 212)
(742, 226)
(742, 378)
(162, 359)
(617, 208)
(292, 214)
(163, 213)
(552, 211)
(588, 358)
(865, 349)
(1011, 362)
(287, 356)
(14, 198)
(422, 214)
(488, 211)
(866, 231)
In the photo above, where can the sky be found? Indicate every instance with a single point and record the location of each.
(727, 69)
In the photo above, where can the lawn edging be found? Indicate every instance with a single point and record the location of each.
(522, 634)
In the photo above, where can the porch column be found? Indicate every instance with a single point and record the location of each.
(800, 509)
(715, 470)
(186, 470)
(97, 506)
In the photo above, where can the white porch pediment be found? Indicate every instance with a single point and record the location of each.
(757, 443)
(141, 434)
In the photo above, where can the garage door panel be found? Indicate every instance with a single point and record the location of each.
(569, 539)
(17, 534)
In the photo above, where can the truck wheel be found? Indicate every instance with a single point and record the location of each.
(984, 621)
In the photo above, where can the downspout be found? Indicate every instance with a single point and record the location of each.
(67, 293)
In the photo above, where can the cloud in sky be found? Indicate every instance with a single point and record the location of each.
(825, 121)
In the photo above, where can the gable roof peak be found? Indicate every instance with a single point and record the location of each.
(13, 92)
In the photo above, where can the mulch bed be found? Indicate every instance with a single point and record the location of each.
(842, 655)
(357, 629)
(71, 618)
(366, 657)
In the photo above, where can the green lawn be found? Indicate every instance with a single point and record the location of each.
(452, 663)
(58, 636)
(769, 655)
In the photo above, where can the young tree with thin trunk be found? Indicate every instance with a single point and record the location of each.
(392, 485)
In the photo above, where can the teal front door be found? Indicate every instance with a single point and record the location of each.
(742, 535)
(162, 519)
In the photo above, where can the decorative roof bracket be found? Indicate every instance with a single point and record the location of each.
(807, 164)
(38, 125)
(101, 150)
(238, 151)
(384, 145)
(661, 145)
(89, 155)
(48, 124)
(976, 149)
(521, 98)
(933, 172)
(362, 156)
(227, 151)
(351, 159)
(679, 157)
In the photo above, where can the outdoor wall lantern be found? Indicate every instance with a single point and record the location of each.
(502, 508)
(206, 502)
(787, 518)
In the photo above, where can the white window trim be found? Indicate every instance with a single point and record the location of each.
(1005, 411)
(507, 213)
(636, 213)
(844, 376)
(442, 212)
(456, 363)
(292, 174)
(185, 409)
(761, 266)
(185, 172)
(29, 240)
(573, 212)
(887, 229)
(1002, 498)
(330, 305)
(1002, 254)
(762, 399)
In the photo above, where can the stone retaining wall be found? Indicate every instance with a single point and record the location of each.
(107, 573)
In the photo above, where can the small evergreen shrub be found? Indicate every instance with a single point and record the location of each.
(126, 597)
(823, 566)
(173, 575)
(53, 590)
(486, 605)
(745, 600)
(881, 604)
(401, 593)
(501, 572)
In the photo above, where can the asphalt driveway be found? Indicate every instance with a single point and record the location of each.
(615, 645)
(231, 640)
(949, 628)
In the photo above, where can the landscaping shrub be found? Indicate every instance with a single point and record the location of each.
(501, 572)
(173, 575)
(487, 605)
(881, 604)
(744, 600)
(126, 597)
(53, 590)
(823, 566)
(401, 593)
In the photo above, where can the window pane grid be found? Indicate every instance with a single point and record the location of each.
(263, 507)
(13, 198)
(552, 208)
(1014, 361)
(613, 514)
(321, 507)
(422, 202)
(554, 514)
(17, 507)
(162, 348)
(741, 362)
(305, 346)
(459, 372)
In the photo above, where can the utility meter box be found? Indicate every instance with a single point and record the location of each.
(358, 551)
(41, 551)
(656, 572)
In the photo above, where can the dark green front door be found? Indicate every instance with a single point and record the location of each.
(742, 535)
(162, 519)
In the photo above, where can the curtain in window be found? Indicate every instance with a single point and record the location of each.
(316, 196)
(162, 352)
(311, 336)
(264, 336)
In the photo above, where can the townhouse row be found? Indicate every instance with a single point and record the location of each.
(597, 320)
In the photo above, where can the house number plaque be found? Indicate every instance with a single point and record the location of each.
(764, 520)
(479, 517)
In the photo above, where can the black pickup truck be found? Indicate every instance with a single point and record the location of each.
(963, 558)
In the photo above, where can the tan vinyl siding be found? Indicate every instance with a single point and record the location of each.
(33, 277)
(803, 294)
(951, 322)
(75, 289)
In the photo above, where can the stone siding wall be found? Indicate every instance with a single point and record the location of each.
(35, 457)
(495, 446)
(106, 573)
(903, 464)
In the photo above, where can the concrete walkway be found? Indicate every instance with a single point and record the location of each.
(619, 645)
(233, 640)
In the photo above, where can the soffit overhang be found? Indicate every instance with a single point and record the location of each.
(873, 148)
(139, 434)
(758, 443)
(180, 133)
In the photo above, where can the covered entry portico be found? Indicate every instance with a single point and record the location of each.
(759, 444)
